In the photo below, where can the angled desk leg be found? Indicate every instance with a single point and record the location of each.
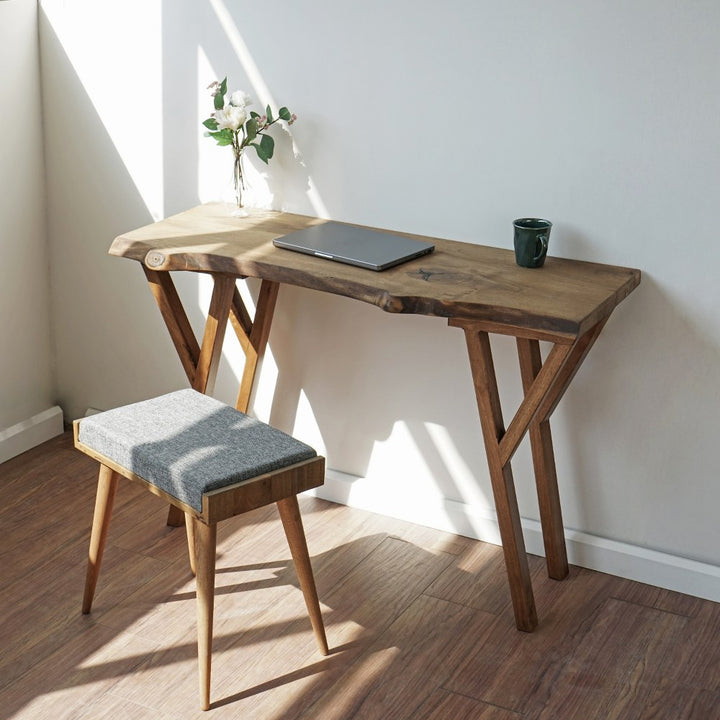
(200, 362)
(544, 466)
(542, 447)
(513, 544)
(253, 335)
(544, 385)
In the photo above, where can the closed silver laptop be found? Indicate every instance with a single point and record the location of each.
(354, 245)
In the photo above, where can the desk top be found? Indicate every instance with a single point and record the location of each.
(460, 281)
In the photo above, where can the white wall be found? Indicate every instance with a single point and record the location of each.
(444, 122)
(104, 150)
(26, 388)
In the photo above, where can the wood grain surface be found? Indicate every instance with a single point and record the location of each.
(419, 621)
(458, 280)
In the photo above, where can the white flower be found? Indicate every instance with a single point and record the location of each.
(240, 99)
(230, 117)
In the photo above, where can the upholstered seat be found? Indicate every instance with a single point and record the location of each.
(187, 444)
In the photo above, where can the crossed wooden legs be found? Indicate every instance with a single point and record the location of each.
(544, 385)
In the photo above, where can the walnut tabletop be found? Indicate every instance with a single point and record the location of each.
(458, 280)
(478, 289)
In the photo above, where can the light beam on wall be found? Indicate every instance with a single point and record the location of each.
(134, 127)
(261, 89)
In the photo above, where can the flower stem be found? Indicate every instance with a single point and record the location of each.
(238, 180)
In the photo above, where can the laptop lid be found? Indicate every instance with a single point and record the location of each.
(354, 245)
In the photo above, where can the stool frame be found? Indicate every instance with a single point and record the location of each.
(280, 486)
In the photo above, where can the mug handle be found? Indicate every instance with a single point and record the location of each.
(543, 240)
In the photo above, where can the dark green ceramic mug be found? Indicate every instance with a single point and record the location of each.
(531, 241)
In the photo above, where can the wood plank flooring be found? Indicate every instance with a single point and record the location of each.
(419, 622)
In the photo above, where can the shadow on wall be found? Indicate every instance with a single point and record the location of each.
(684, 375)
(377, 352)
(378, 382)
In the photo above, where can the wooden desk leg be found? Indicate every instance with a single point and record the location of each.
(544, 465)
(176, 320)
(488, 401)
(211, 349)
(253, 335)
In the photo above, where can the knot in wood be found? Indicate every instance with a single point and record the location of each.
(154, 259)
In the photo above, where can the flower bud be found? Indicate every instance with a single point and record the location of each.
(240, 99)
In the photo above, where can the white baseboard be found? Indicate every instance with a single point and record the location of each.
(595, 553)
(29, 433)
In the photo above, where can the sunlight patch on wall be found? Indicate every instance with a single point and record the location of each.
(214, 175)
(464, 479)
(131, 32)
(261, 93)
(400, 482)
(306, 426)
(407, 469)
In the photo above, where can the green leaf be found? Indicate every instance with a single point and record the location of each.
(259, 152)
(222, 137)
(211, 124)
(250, 129)
(268, 112)
(268, 145)
(254, 115)
(284, 114)
(262, 149)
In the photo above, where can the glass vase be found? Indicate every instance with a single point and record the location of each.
(239, 185)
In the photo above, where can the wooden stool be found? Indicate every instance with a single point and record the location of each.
(213, 463)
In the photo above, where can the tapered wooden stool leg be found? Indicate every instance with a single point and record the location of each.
(292, 522)
(205, 539)
(107, 487)
(192, 551)
(176, 517)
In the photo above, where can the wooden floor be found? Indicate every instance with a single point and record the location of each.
(419, 621)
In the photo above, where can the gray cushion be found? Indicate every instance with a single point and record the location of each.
(187, 443)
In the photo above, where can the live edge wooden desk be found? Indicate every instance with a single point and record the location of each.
(478, 289)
